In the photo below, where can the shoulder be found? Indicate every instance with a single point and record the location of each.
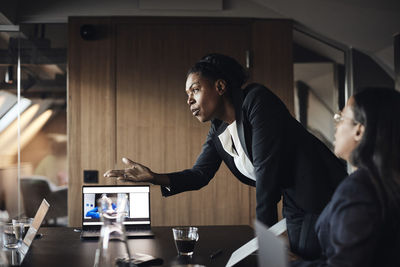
(255, 90)
(258, 99)
(354, 203)
(357, 187)
(258, 93)
(358, 179)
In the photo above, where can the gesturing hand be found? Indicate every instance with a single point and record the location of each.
(134, 172)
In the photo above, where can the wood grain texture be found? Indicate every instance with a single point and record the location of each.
(154, 124)
(272, 42)
(91, 108)
(126, 98)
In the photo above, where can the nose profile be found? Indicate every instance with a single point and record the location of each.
(190, 99)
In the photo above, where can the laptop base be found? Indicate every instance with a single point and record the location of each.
(95, 234)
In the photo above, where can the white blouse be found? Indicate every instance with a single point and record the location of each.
(235, 149)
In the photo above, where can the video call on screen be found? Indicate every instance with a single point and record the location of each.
(137, 206)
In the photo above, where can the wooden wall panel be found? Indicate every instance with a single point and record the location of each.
(154, 124)
(126, 98)
(91, 108)
(272, 42)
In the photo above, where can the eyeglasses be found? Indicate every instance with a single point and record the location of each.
(338, 117)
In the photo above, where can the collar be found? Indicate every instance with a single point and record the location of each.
(220, 126)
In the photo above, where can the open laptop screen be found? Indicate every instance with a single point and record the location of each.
(31, 233)
(137, 207)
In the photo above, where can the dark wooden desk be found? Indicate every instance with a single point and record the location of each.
(63, 247)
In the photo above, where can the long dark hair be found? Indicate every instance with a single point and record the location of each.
(218, 66)
(378, 109)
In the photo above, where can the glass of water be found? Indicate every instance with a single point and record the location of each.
(185, 239)
(12, 234)
(27, 223)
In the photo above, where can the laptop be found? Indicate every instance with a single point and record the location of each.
(272, 251)
(137, 221)
(251, 246)
(31, 233)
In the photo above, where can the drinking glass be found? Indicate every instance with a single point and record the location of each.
(12, 234)
(3, 256)
(27, 223)
(185, 239)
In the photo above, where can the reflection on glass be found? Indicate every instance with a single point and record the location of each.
(112, 216)
(8, 135)
(319, 82)
(12, 114)
(33, 70)
(7, 100)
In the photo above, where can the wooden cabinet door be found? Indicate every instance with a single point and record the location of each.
(153, 123)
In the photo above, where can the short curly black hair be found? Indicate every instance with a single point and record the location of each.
(217, 66)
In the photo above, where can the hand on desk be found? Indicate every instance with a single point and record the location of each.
(136, 172)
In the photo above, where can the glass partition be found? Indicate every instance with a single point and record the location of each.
(33, 121)
(319, 75)
(11, 108)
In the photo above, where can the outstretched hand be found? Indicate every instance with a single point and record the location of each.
(134, 172)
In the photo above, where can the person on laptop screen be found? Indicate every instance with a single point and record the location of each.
(253, 132)
(95, 213)
(359, 227)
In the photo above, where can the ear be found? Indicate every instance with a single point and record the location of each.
(220, 86)
(359, 132)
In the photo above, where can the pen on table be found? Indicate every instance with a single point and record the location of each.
(215, 254)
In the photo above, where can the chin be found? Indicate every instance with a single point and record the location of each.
(202, 119)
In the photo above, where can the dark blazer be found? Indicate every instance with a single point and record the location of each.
(352, 230)
(287, 159)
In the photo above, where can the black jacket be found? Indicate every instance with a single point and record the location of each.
(285, 156)
(352, 230)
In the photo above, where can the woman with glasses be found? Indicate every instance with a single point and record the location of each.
(359, 227)
(261, 143)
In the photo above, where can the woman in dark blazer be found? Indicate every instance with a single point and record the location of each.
(261, 143)
(360, 225)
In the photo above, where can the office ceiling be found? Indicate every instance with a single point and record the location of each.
(367, 25)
